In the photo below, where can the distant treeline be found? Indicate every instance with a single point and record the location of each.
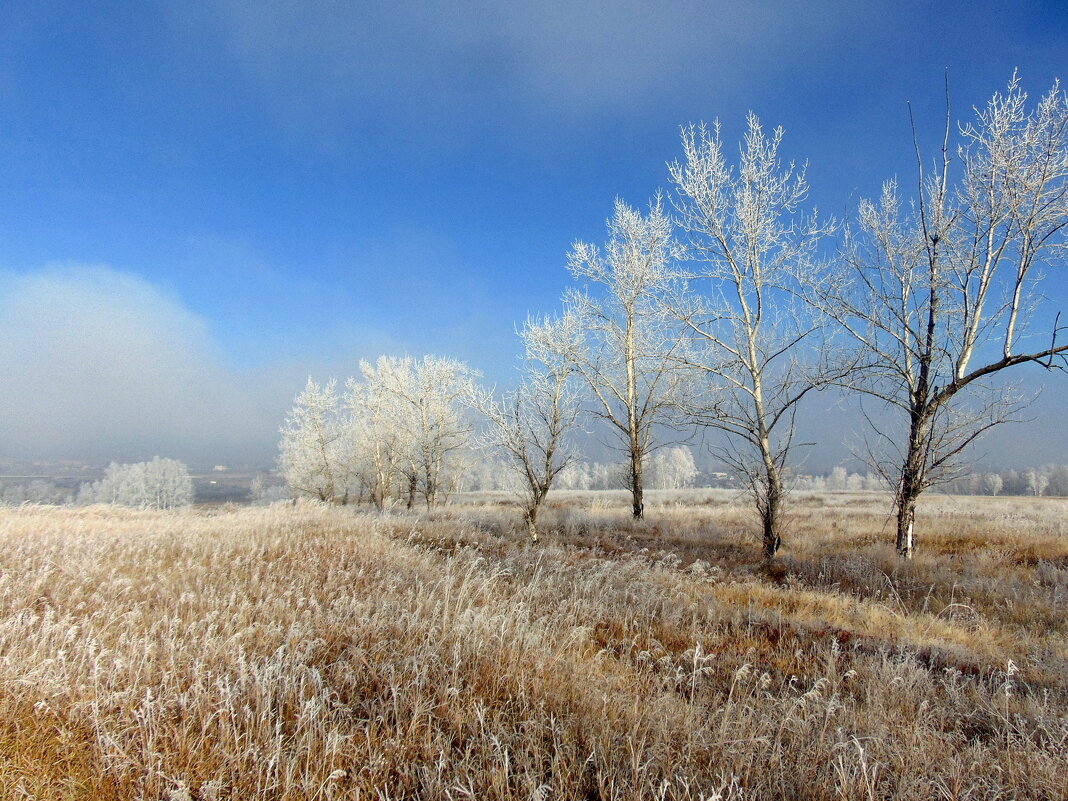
(672, 468)
(158, 484)
(1050, 480)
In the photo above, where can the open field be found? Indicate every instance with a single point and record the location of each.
(323, 653)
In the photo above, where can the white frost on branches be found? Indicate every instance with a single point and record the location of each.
(395, 435)
(159, 484)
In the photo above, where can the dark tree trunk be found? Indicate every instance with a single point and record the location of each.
(530, 514)
(636, 489)
(907, 493)
(906, 519)
(912, 483)
(771, 514)
(531, 518)
(411, 491)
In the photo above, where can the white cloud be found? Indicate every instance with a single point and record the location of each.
(474, 62)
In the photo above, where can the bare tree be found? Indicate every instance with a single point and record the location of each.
(627, 357)
(942, 298)
(752, 250)
(529, 424)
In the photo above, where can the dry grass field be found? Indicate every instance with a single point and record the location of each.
(323, 653)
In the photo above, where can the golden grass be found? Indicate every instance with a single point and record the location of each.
(320, 653)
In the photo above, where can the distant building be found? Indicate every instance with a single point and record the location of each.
(220, 468)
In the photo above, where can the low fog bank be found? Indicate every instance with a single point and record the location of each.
(100, 365)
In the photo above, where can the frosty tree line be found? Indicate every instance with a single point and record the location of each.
(725, 303)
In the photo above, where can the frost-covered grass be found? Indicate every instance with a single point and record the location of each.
(320, 653)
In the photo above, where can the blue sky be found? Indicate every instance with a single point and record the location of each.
(286, 187)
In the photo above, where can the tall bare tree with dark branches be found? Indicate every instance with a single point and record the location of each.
(530, 425)
(751, 250)
(940, 297)
(627, 357)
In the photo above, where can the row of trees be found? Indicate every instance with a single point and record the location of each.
(394, 433)
(726, 303)
(1052, 479)
(37, 491)
(165, 485)
(668, 468)
(158, 484)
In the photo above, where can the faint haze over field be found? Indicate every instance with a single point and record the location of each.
(205, 203)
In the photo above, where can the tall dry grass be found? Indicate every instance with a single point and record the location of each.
(317, 653)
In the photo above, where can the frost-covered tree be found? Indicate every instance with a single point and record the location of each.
(481, 471)
(395, 434)
(838, 480)
(941, 295)
(528, 425)
(431, 402)
(264, 492)
(1037, 482)
(159, 484)
(386, 442)
(1058, 479)
(992, 483)
(674, 468)
(751, 251)
(628, 356)
(575, 476)
(315, 456)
